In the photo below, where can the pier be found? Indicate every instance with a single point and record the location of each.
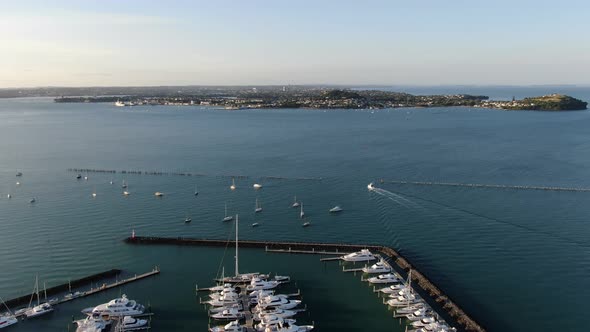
(493, 186)
(82, 282)
(181, 173)
(461, 318)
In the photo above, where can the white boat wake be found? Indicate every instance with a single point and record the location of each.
(395, 197)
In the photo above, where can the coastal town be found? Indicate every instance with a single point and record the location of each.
(321, 98)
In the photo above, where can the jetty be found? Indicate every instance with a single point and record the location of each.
(453, 310)
(114, 273)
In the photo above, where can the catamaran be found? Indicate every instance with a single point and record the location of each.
(258, 207)
(40, 308)
(226, 217)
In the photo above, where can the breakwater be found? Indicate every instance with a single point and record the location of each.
(86, 281)
(181, 173)
(480, 185)
(461, 318)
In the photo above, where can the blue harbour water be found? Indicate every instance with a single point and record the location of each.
(514, 259)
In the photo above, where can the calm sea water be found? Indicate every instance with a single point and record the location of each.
(516, 260)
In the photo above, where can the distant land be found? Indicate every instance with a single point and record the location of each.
(317, 97)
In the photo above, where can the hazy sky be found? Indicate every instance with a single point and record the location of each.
(413, 42)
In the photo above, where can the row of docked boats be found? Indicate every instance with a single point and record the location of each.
(400, 296)
(250, 301)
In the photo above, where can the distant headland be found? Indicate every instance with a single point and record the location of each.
(315, 97)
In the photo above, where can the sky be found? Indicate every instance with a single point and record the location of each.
(275, 42)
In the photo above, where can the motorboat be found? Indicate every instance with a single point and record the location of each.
(126, 193)
(388, 278)
(424, 321)
(402, 300)
(220, 288)
(38, 310)
(282, 279)
(223, 301)
(233, 184)
(158, 194)
(257, 186)
(393, 289)
(275, 311)
(93, 195)
(295, 203)
(187, 219)
(228, 314)
(359, 256)
(119, 103)
(306, 224)
(258, 207)
(255, 224)
(418, 314)
(120, 307)
(233, 326)
(379, 267)
(8, 196)
(237, 306)
(279, 302)
(286, 327)
(93, 323)
(243, 278)
(257, 284)
(411, 308)
(272, 320)
(131, 323)
(370, 186)
(86, 178)
(7, 320)
(336, 209)
(226, 217)
(17, 183)
(230, 292)
(260, 299)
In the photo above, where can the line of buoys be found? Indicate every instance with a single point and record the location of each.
(228, 176)
(495, 186)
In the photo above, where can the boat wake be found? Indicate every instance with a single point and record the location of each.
(396, 198)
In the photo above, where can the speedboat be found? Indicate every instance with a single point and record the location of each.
(93, 194)
(86, 178)
(223, 301)
(258, 283)
(282, 279)
(120, 307)
(130, 323)
(370, 186)
(285, 326)
(379, 267)
(260, 299)
(411, 308)
(275, 311)
(93, 323)
(295, 203)
(8, 196)
(257, 186)
(227, 293)
(359, 256)
(228, 314)
(220, 288)
(158, 194)
(336, 209)
(6, 321)
(126, 193)
(38, 310)
(388, 278)
(233, 326)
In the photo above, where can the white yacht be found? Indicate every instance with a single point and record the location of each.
(227, 293)
(237, 306)
(120, 307)
(233, 326)
(393, 289)
(418, 314)
(158, 194)
(336, 209)
(130, 323)
(261, 298)
(295, 203)
(411, 308)
(226, 217)
(93, 323)
(119, 103)
(306, 224)
(8, 320)
(401, 300)
(388, 278)
(279, 302)
(257, 284)
(275, 311)
(370, 186)
(233, 184)
(379, 267)
(359, 256)
(187, 219)
(228, 314)
(258, 207)
(257, 186)
(225, 300)
(271, 320)
(424, 321)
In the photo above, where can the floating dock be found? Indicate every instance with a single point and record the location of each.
(390, 255)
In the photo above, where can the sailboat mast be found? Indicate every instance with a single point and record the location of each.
(237, 273)
(37, 287)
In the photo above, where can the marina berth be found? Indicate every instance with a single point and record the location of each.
(388, 278)
(359, 256)
(233, 326)
(379, 267)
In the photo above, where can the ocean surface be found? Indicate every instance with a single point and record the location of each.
(514, 259)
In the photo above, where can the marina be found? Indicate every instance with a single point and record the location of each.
(389, 255)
